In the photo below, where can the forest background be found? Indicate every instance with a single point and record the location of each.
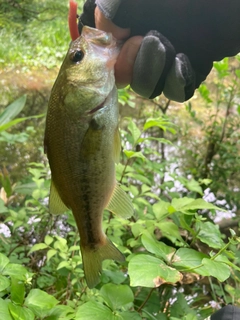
(180, 164)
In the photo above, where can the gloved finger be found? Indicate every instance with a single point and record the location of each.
(108, 7)
(87, 18)
(180, 81)
(125, 61)
(153, 62)
(107, 25)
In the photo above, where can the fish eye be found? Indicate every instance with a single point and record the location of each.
(77, 56)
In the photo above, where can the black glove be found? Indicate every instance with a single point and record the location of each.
(198, 32)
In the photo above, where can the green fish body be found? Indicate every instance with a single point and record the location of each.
(82, 143)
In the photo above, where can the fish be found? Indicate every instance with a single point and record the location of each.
(82, 143)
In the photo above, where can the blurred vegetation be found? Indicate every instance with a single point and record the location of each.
(180, 165)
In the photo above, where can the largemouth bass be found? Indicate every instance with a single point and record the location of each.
(82, 143)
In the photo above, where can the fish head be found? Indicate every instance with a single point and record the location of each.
(87, 74)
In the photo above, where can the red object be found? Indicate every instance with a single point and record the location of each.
(72, 20)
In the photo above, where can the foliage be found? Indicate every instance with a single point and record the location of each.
(165, 241)
(42, 36)
(179, 166)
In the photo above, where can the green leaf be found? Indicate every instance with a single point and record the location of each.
(209, 233)
(193, 185)
(93, 310)
(123, 297)
(61, 244)
(12, 110)
(17, 290)
(4, 283)
(38, 246)
(186, 259)
(20, 313)
(181, 203)
(4, 312)
(161, 140)
(151, 272)
(51, 253)
(170, 230)
(18, 120)
(40, 302)
(26, 188)
(115, 276)
(3, 262)
(217, 269)
(160, 209)
(135, 132)
(48, 240)
(16, 270)
(2, 209)
(200, 204)
(158, 122)
(156, 247)
(127, 315)
(61, 312)
(63, 264)
(222, 258)
(133, 154)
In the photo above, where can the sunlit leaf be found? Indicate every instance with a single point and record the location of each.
(158, 248)
(219, 270)
(148, 271)
(20, 313)
(210, 234)
(38, 246)
(4, 312)
(40, 302)
(4, 283)
(135, 132)
(3, 262)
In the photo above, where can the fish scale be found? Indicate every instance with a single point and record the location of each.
(82, 143)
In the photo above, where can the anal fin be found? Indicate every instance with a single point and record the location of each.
(120, 203)
(56, 205)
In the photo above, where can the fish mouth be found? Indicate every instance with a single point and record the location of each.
(97, 107)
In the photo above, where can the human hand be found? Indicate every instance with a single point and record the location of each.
(179, 58)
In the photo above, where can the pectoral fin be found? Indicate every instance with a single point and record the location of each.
(56, 206)
(120, 203)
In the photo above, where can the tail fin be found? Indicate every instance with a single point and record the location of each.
(92, 260)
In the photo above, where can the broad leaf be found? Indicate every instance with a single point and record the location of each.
(158, 248)
(151, 272)
(3, 262)
(40, 302)
(4, 312)
(93, 310)
(38, 246)
(17, 290)
(123, 297)
(186, 259)
(135, 132)
(4, 283)
(209, 233)
(20, 313)
(16, 270)
(219, 270)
